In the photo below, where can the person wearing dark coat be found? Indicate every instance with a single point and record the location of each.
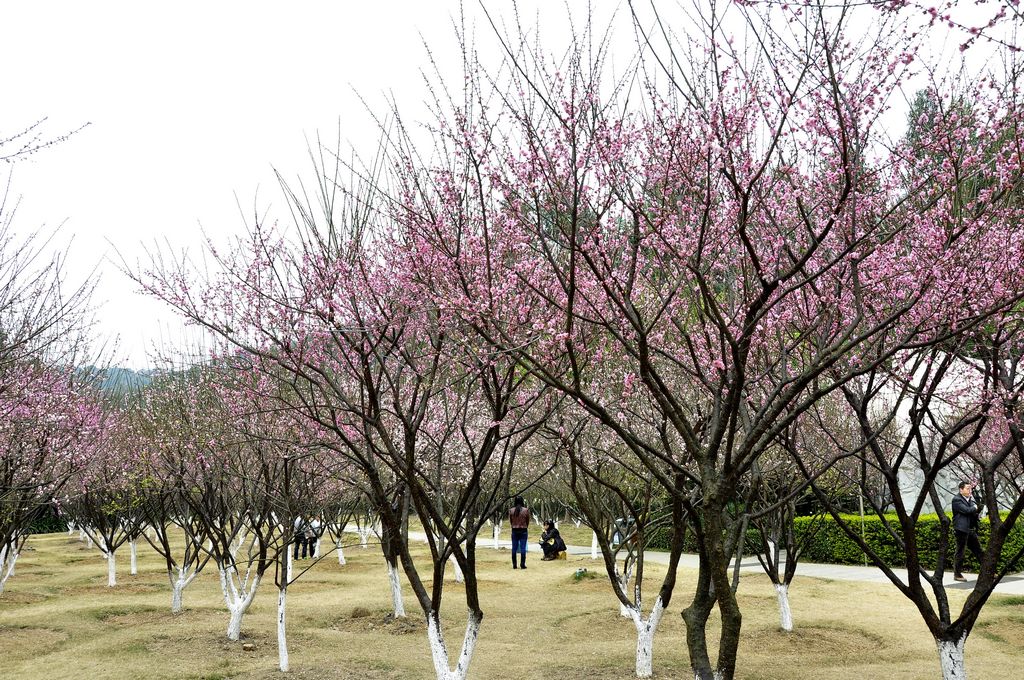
(965, 527)
(519, 518)
(551, 541)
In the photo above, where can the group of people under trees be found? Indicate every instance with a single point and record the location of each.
(307, 533)
(966, 511)
(550, 540)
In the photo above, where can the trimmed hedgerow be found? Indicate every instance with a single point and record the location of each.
(48, 522)
(831, 545)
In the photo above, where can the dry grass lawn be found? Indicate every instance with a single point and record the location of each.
(59, 620)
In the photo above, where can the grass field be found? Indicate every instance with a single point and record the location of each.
(59, 620)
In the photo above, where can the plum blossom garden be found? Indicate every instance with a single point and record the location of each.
(703, 304)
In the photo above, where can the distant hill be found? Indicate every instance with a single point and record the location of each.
(116, 379)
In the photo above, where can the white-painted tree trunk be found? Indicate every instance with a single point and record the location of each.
(593, 545)
(178, 585)
(134, 567)
(71, 528)
(81, 534)
(282, 640)
(7, 560)
(459, 577)
(785, 613)
(645, 630)
(364, 535)
(496, 534)
(951, 658)
(291, 560)
(439, 652)
(111, 570)
(624, 611)
(237, 546)
(341, 553)
(176, 598)
(237, 598)
(396, 591)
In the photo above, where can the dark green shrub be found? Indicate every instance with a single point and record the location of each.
(831, 545)
(48, 522)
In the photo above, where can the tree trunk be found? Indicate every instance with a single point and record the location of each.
(785, 613)
(951, 658)
(111, 570)
(176, 593)
(645, 630)
(7, 560)
(396, 592)
(133, 569)
(459, 578)
(235, 622)
(341, 553)
(282, 640)
(496, 535)
(696, 618)
(237, 601)
(624, 611)
(593, 546)
(178, 584)
(439, 652)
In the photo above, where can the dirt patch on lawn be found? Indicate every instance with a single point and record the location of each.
(123, 588)
(361, 620)
(828, 645)
(16, 597)
(122, 615)
(1007, 630)
(18, 644)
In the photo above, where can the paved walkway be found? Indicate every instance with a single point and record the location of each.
(1010, 585)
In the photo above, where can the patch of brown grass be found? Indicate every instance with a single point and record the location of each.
(59, 620)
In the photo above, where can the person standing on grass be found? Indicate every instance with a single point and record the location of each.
(300, 537)
(312, 536)
(965, 526)
(519, 519)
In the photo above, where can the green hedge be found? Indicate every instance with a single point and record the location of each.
(48, 522)
(831, 545)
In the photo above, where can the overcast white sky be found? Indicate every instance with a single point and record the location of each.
(189, 105)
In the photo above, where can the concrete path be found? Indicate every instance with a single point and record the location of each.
(1010, 585)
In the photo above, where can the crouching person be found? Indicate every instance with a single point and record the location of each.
(551, 541)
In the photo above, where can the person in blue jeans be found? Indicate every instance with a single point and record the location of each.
(519, 518)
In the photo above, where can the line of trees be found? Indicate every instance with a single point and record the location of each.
(704, 268)
(678, 299)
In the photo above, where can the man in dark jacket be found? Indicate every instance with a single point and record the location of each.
(965, 526)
